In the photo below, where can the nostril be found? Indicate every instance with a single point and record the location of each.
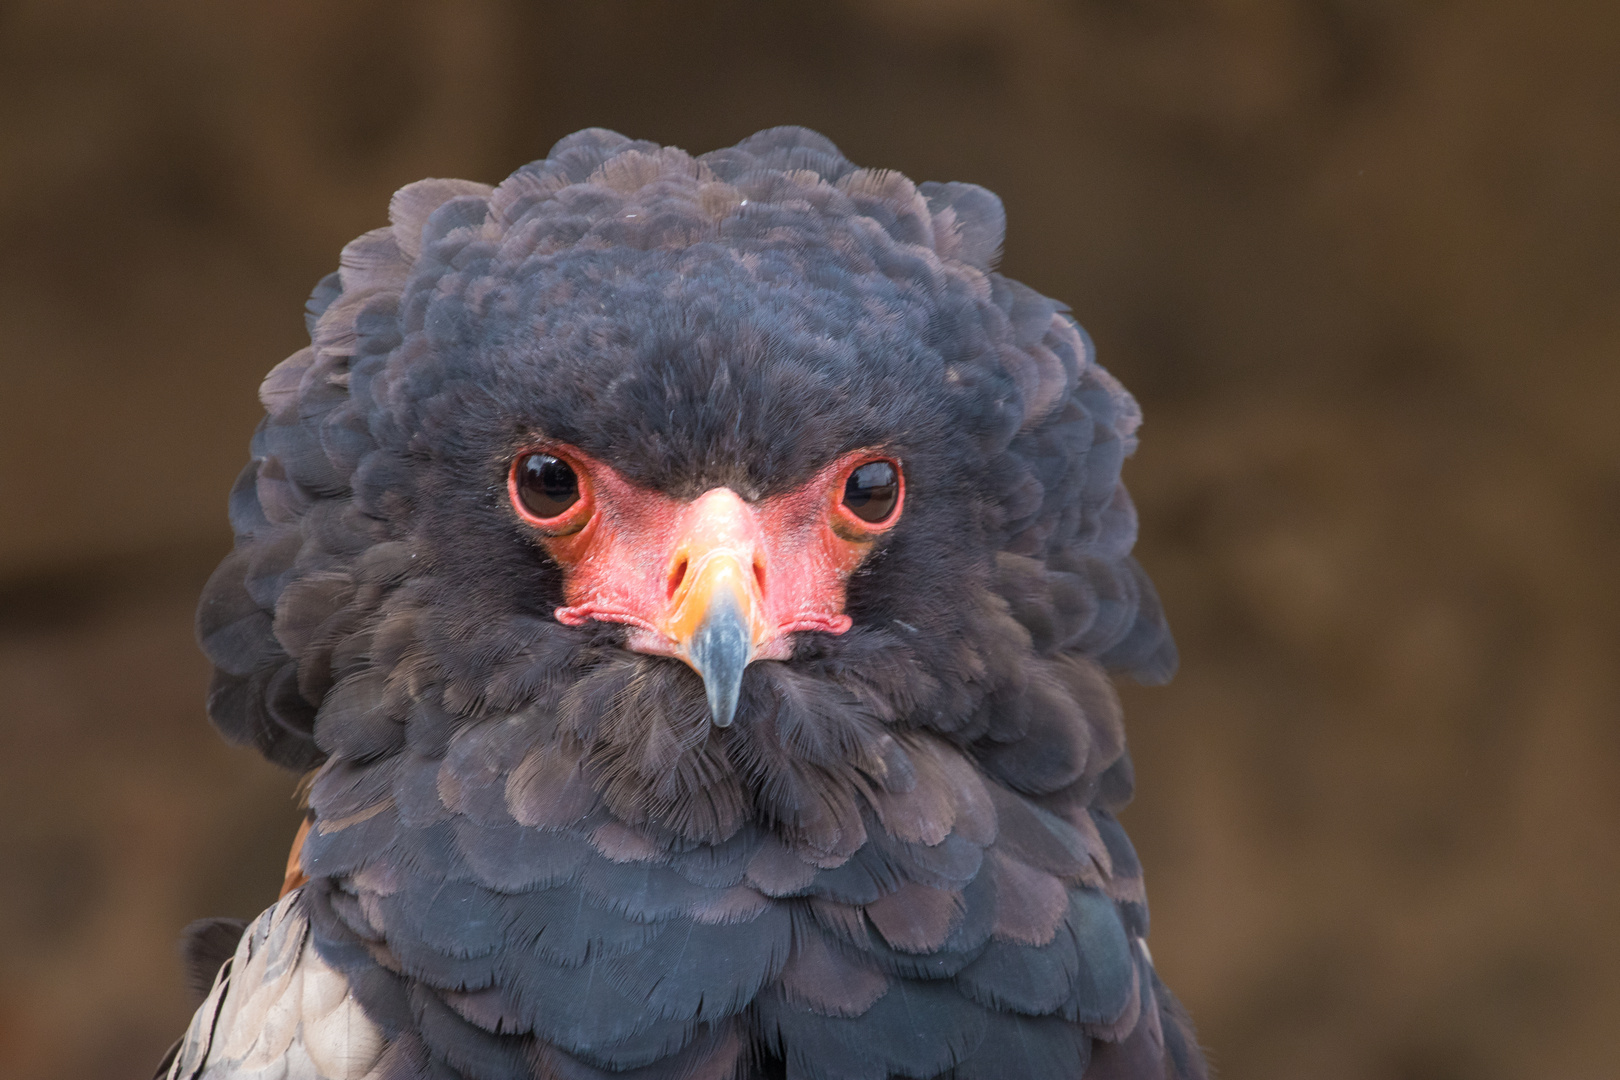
(759, 574)
(676, 576)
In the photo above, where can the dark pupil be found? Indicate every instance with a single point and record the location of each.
(871, 491)
(547, 485)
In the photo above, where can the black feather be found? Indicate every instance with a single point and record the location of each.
(563, 928)
(1106, 975)
(472, 1052)
(512, 858)
(205, 945)
(915, 1029)
(457, 918)
(1029, 1046)
(707, 972)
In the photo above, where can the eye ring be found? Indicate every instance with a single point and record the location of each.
(872, 494)
(550, 491)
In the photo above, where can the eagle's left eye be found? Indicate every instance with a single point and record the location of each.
(872, 491)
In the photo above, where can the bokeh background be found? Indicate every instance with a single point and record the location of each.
(1359, 259)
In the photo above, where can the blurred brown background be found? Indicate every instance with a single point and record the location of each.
(1360, 260)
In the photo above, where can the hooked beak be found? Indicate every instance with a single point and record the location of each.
(715, 617)
(718, 652)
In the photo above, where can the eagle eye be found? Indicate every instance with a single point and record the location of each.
(872, 491)
(545, 485)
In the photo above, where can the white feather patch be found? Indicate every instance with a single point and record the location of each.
(278, 1012)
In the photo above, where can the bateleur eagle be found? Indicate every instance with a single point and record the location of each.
(691, 582)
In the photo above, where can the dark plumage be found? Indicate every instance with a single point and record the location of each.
(532, 852)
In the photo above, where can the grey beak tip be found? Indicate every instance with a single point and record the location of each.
(722, 689)
(720, 650)
(723, 712)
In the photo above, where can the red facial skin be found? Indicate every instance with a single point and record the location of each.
(636, 556)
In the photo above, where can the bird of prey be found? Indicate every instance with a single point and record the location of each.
(692, 585)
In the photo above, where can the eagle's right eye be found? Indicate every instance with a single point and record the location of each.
(545, 485)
